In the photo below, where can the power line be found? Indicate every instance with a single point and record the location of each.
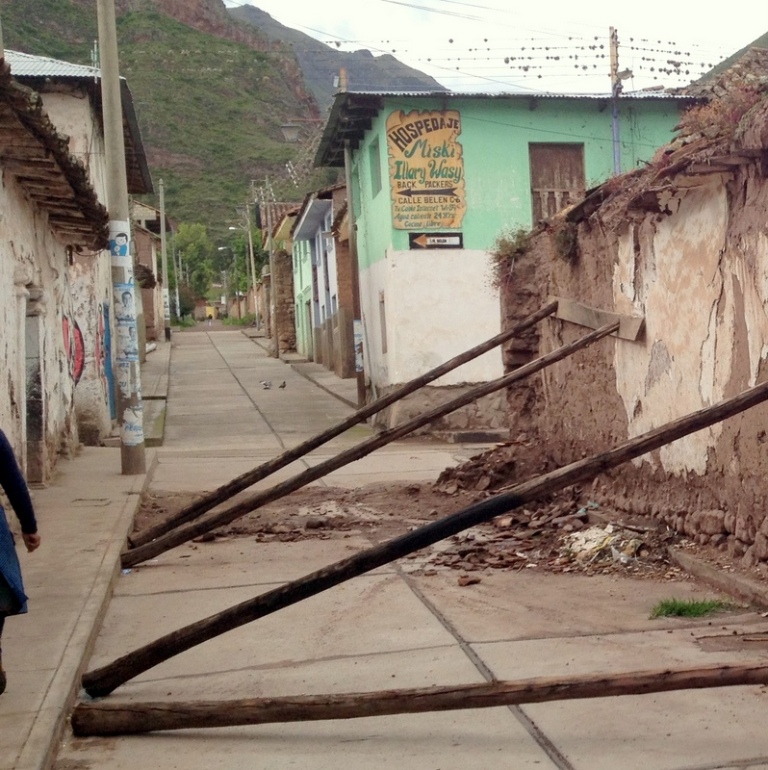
(526, 58)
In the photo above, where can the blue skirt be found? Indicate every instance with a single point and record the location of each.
(13, 600)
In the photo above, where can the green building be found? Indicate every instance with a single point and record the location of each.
(437, 178)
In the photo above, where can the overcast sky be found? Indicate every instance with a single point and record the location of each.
(486, 45)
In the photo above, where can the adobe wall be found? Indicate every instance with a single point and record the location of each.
(36, 400)
(283, 301)
(90, 326)
(691, 257)
(481, 420)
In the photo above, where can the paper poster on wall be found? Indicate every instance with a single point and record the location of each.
(357, 331)
(426, 169)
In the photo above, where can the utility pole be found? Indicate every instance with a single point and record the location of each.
(177, 273)
(268, 200)
(164, 252)
(236, 284)
(615, 91)
(357, 321)
(127, 373)
(251, 257)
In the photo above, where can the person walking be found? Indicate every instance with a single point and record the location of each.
(13, 601)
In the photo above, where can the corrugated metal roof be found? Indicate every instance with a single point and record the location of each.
(353, 111)
(27, 65)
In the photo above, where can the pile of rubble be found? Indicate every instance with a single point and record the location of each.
(560, 539)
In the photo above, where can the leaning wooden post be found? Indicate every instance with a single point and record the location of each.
(201, 526)
(133, 718)
(249, 478)
(104, 680)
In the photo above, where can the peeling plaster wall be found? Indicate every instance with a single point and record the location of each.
(34, 300)
(677, 281)
(90, 275)
(91, 312)
(72, 113)
(698, 273)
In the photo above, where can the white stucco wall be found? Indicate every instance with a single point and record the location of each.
(438, 303)
(73, 115)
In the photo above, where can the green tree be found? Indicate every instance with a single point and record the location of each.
(241, 261)
(198, 254)
(186, 300)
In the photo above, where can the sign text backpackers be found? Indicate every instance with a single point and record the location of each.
(426, 169)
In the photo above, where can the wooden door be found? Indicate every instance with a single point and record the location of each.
(557, 177)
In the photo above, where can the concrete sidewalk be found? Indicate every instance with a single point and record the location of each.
(84, 515)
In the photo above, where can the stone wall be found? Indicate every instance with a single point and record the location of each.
(484, 419)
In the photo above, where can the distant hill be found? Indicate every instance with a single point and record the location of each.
(212, 92)
(321, 63)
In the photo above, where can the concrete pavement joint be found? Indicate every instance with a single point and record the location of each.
(256, 407)
(270, 584)
(530, 726)
(745, 764)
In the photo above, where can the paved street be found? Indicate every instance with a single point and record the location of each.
(394, 627)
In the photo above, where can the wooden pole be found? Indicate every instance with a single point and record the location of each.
(133, 718)
(228, 515)
(230, 489)
(104, 680)
(127, 369)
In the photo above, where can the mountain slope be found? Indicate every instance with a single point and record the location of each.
(320, 63)
(211, 92)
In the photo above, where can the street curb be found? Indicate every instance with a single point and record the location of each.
(739, 586)
(321, 386)
(295, 367)
(54, 712)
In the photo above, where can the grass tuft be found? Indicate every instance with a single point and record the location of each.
(688, 608)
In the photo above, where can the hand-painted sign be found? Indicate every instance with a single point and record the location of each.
(426, 169)
(436, 240)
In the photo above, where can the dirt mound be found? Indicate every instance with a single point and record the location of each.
(560, 535)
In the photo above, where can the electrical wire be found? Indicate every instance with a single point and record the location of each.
(648, 59)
